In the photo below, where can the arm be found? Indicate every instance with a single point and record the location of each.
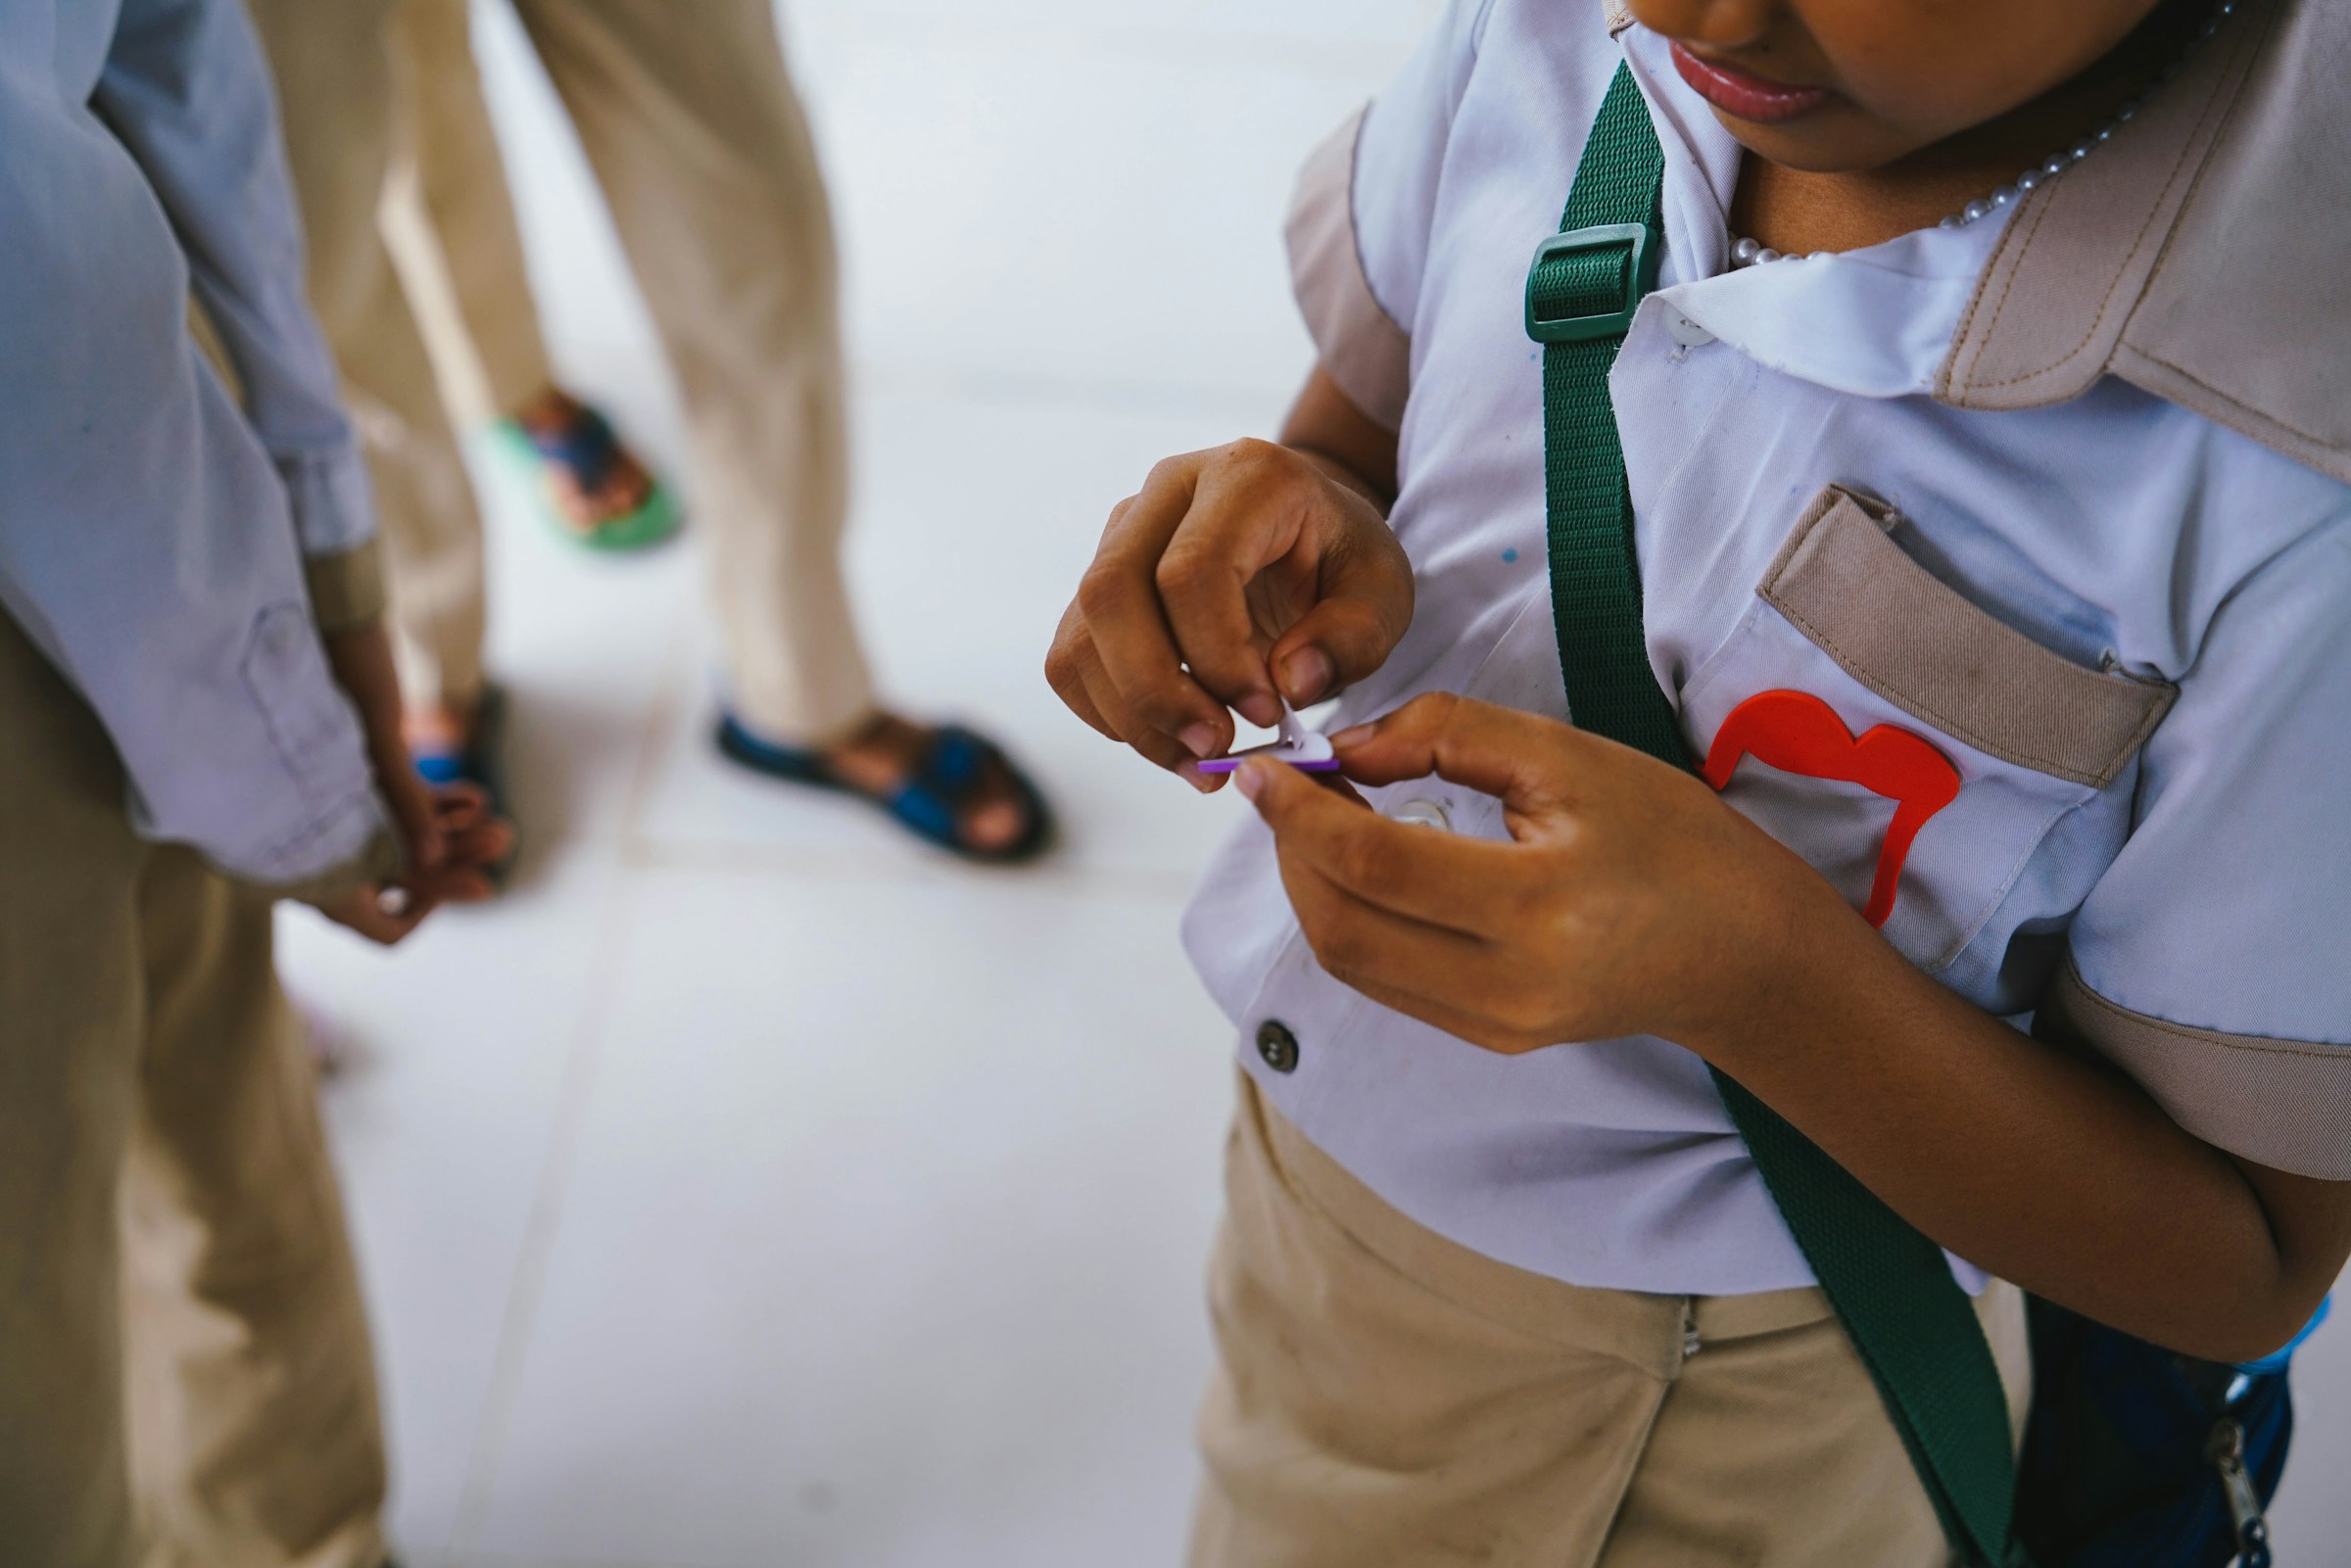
(1632, 900)
(145, 538)
(1344, 441)
(188, 92)
(2041, 1164)
(144, 542)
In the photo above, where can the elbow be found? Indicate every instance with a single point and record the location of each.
(2250, 1325)
(2289, 1313)
(2259, 1298)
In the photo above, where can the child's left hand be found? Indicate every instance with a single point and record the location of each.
(1630, 901)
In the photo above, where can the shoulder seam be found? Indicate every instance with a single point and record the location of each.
(2131, 1018)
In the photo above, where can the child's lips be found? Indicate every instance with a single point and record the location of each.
(1746, 97)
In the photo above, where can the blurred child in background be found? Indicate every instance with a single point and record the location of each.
(692, 128)
(198, 716)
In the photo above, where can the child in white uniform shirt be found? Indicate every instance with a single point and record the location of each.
(2031, 484)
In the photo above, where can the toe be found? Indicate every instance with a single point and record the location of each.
(993, 826)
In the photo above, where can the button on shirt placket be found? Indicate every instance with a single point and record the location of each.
(1297, 1009)
(1686, 333)
(1419, 813)
(1299, 1003)
(1276, 1046)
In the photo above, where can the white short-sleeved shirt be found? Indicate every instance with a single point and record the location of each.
(2126, 627)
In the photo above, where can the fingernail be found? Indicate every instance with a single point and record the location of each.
(1261, 708)
(1306, 674)
(1251, 777)
(1200, 739)
(1355, 735)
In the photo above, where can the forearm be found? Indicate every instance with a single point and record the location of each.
(2040, 1165)
(145, 547)
(1341, 440)
(1631, 900)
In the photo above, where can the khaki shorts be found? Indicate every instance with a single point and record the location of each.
(1387, 1396)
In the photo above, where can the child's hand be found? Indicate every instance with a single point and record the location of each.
(1631, 901)
(472, 840)
(1235, 572)
(361, 660)
(448, 839)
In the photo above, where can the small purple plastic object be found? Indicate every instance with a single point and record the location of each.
(1307, 751)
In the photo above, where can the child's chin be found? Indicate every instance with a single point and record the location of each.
(1836, 138)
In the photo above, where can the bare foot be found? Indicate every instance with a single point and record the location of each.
(882, 755)
(618, 492)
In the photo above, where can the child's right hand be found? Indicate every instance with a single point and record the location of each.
(471, 841)
(448, 838)
(1236, 577)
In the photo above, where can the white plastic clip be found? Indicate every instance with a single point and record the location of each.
(1307, 751)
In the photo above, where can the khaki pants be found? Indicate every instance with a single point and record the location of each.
(1385, 1397)
(691, 123)
(179, 1319)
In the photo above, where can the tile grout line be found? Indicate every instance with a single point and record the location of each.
(677, 657)
(529, 1287)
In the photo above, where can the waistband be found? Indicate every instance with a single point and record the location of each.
(1647, 1330)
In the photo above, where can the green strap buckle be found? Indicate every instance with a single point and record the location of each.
(1587, 282)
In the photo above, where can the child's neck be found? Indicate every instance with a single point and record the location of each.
(1796, 212)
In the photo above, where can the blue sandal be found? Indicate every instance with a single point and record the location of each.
(929, 803)
(587, 449)
(482, 763)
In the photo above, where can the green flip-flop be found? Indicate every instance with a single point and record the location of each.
(587, 448)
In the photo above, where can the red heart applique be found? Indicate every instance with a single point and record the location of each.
(1796, 732)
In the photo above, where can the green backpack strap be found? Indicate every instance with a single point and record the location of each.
(1915, 1328)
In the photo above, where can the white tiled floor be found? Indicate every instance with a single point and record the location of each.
(749, 1188)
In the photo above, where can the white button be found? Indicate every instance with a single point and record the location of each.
(1422, 814)
(1684, 331)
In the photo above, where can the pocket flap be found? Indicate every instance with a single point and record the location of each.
(1919, 644)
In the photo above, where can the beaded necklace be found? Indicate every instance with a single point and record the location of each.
(1751, 253)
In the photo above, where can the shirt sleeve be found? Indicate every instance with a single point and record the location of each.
(146, 545)
(189, 91)
(2213, 960)
(1360, 216)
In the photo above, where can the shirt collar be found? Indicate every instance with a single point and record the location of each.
(2197, 255)
(1874, 323)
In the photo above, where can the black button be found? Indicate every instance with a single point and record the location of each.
(1277, 1045)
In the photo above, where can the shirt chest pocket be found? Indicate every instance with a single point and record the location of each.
(1912, 747)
